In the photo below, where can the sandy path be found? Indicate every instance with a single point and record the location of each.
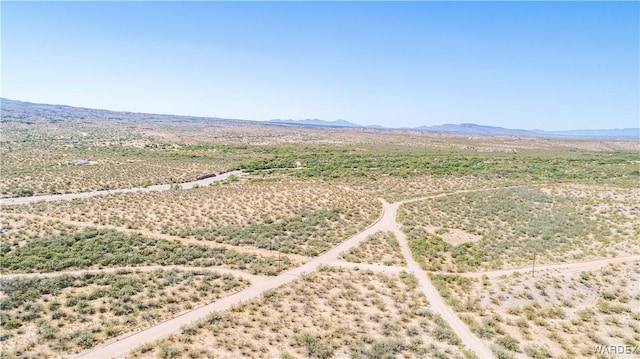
(367, 266)
(70, 196)
(238, 273)
(122, 345)
(186, 240)
(572, 267)
(386, 222)
(437, 304)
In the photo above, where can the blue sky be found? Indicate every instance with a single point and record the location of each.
(547, 65)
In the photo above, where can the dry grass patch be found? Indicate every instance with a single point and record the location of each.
(51, 168)
(97, 248)
(397, 188)
(17, 230)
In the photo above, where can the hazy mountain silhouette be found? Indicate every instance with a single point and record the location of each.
(23, 110)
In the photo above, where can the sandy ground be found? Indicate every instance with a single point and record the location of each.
(122, 345)
(435, 300)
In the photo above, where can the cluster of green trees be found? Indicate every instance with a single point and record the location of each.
(340, 162)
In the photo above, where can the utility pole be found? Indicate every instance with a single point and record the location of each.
(533, 270)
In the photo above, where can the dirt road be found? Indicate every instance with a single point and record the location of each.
(129, 341)
(238, 273)
(121, 346)
(437, 304)
(565, 268)
(572, 267)
(70, 196)
(386, 222)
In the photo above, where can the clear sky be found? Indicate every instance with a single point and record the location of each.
(547, 65)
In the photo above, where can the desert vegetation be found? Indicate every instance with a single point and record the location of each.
(507, 227)
(394, 160)
(379, 248)
(554, 314)
(94, 248)
(44, 317)
(292, 217)
(322, 315)
(72, 168)
(495, 203)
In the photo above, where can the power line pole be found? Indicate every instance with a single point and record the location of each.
(533, 270)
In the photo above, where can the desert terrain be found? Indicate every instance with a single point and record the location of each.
(310, 242)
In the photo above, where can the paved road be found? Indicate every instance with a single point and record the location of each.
(70, 196)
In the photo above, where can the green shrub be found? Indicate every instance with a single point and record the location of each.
(509, 342)
(537, 352)
(315, 345)
(445, 334)
(83, 338)
(23, 192)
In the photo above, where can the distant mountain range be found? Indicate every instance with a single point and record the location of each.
(19, 109)
(316, 122)
(473, 129)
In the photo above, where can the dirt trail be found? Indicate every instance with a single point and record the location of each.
(70, 196)
(187, 240)
(437, 304)
(572, 267)
(235, 272)
(366, 266)
(122, 345)
(386, 222)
